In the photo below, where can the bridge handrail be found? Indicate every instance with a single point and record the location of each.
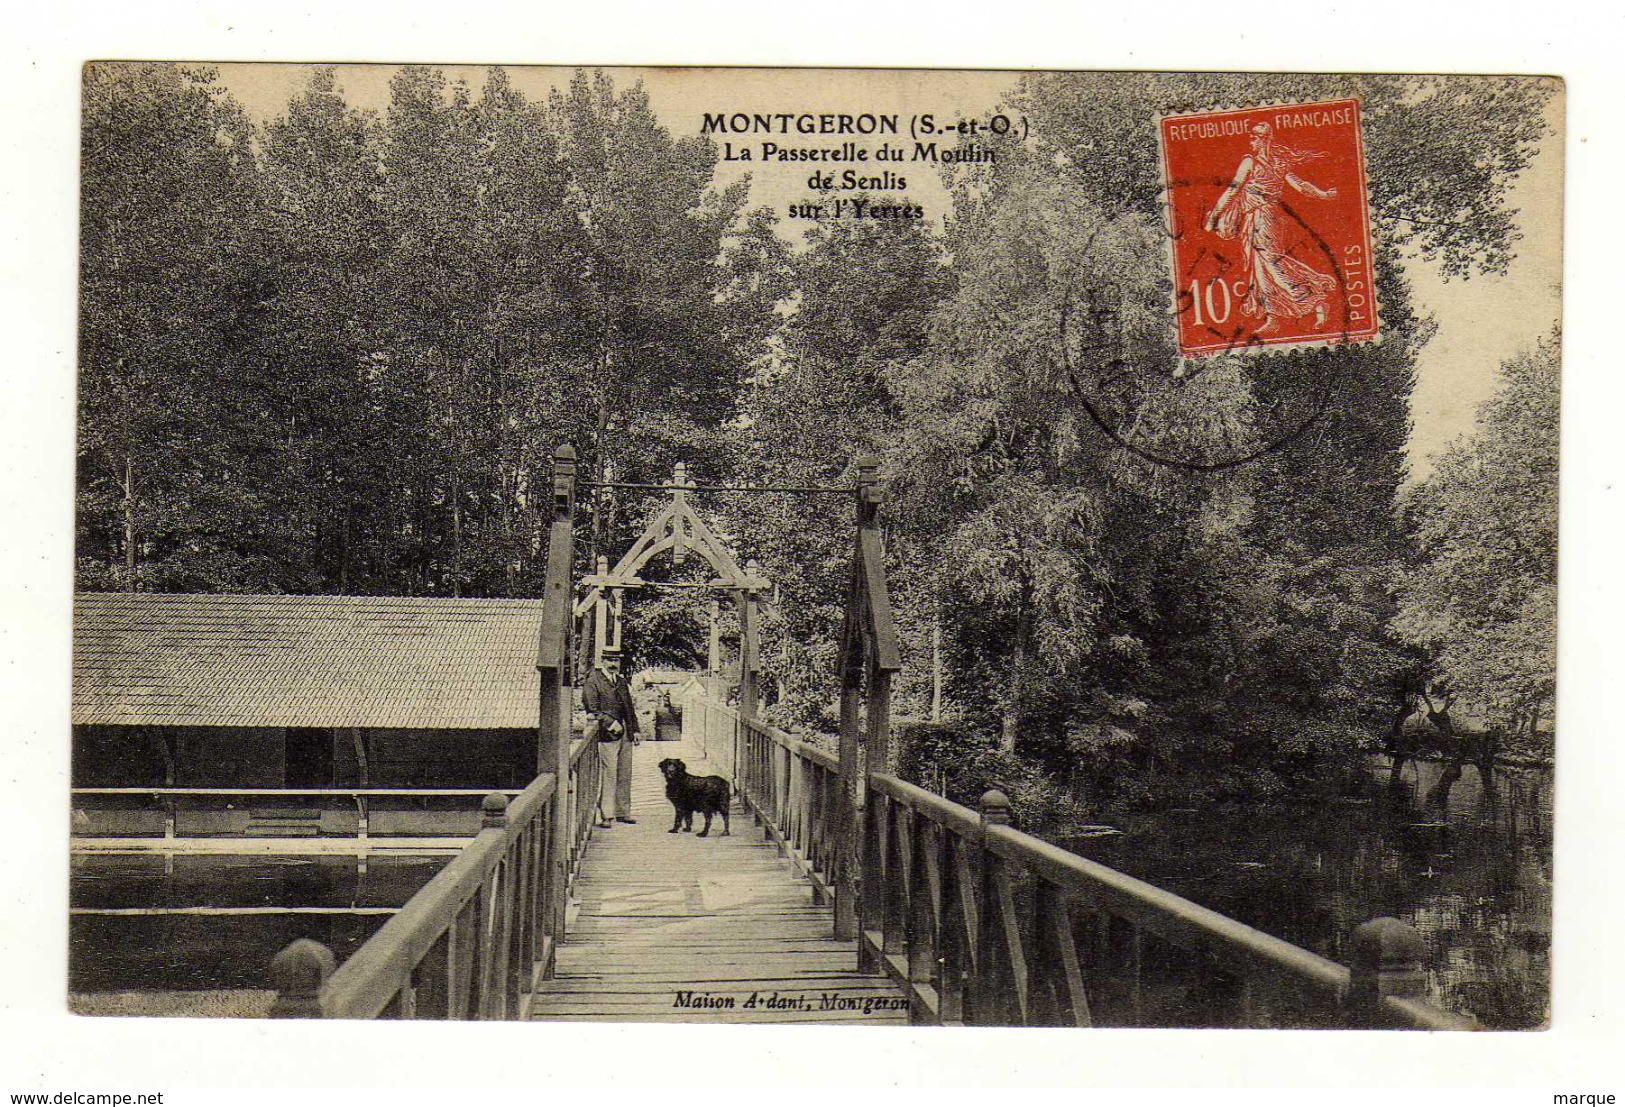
(375, 975)
(1171, 917)
(1006, 894)
(1010, 937)
(472, 941)
(1419, 1014)
(800, 810)
(800, 747)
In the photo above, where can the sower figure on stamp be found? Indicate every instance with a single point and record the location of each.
(1279, 285)
(606, 697)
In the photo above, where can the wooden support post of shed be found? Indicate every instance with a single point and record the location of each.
(363, 768)
(553, 664)
(167, 752)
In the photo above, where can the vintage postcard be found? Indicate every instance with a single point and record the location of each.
(867, 547)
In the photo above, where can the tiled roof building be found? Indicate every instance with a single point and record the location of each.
(304, 661)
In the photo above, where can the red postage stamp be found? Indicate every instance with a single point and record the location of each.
(1269, 227)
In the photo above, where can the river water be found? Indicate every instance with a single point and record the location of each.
(1474, 876)
(134, 926)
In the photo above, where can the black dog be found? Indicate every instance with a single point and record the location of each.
(706, 794)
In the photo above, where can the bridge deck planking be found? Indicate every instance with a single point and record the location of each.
(725, 919)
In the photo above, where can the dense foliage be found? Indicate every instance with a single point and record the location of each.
(333, 353)
(1140, 630)
(1481, 597)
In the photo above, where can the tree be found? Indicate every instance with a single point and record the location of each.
(315, 373)
(675, 287)
(1197, 620)
(864, 295)
(335, 353)
(1442, 152)
(671, 319)
(1481, 597)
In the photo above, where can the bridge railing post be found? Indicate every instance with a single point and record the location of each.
(298, 973)
(991, 1004)
(556, 704)
(493, 812)
(1386, 958)
(849, 837)
(869, 656)
(873, 908)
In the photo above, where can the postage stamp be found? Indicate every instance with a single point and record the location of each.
(1269, 227)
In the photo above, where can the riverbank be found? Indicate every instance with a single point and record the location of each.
(1474, 876)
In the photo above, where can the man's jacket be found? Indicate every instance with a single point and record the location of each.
(610, 698)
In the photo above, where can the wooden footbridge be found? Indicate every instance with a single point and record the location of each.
(844, 895)
(672, 927)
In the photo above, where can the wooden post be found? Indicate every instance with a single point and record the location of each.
(991, 1006)
(167, 802)
(499, 890)
(921, 941)
(866, 632)
(849, 835)
(554, 709)
(877, 720)
(363, 775)
(877, 736)
(714, 664)
(363, 770)
(601, 614)
(298, 973)
(679, 530)
(1385, 959)
(747, 653)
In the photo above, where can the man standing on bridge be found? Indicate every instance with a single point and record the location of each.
(606, 697)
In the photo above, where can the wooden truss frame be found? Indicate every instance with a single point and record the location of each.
(678, 529)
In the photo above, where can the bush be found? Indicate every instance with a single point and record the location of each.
(956, 761)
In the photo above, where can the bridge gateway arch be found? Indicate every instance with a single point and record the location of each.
(676, 530)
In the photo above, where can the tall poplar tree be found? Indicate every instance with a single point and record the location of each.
(170, 280)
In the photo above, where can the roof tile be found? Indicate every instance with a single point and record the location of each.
(377, 661)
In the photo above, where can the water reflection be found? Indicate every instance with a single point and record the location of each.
(226, 880)
(158, 951)
(1473, 874)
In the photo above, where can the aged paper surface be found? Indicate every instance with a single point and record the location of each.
(1471, 322)
(1174, 557)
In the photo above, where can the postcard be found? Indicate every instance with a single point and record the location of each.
(862, 547)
